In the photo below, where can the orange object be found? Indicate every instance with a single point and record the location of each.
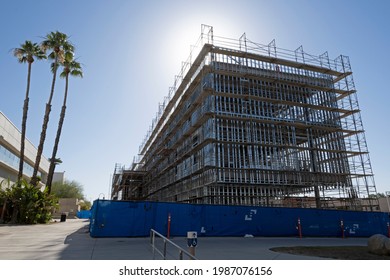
(299, 227)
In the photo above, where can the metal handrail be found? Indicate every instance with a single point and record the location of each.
(163, 253)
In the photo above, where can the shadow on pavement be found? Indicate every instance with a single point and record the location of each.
(81, 246)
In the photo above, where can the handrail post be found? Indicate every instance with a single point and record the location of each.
(152, 238)
(181, 255)
(165, 249)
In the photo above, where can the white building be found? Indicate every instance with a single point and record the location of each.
(59, 177)
(384, 204)
(10, 151)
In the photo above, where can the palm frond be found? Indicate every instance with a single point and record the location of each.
(28, 51)
(76, 73)
(52, 66)
(69, 56)
(56, 160)
(52, 55)
(19, 54)
(59, 43)
(61, 56)
(71, 67)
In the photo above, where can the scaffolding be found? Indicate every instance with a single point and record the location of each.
(252, 124)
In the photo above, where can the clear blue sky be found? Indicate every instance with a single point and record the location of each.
(131, 51)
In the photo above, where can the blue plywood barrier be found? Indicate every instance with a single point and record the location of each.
(126, 219)
(84, 214)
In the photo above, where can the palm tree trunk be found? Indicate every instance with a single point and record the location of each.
(24, 123)
(15, 212)
(34, 179)
(55, 148)
(3, 211)
(57, 140)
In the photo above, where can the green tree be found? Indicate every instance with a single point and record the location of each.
(60, 46)
(85, 205)
(68, 189)
(26, 54)
(72, 68)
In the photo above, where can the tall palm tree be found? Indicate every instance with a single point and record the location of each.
(72, 68)
(60, 46)
(26, 53)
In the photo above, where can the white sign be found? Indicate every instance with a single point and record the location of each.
(192, 234)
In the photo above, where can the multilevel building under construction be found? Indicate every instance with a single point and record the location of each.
(252, 124)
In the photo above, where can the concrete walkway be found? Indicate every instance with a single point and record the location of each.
(70, 240)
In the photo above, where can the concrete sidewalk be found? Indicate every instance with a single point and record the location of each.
(70, 240)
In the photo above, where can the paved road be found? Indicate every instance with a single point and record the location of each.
(70, 240)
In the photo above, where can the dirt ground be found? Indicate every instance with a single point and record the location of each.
(333, 252)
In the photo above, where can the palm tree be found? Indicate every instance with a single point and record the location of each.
(26, 53)
(72, 68)
(60, 46)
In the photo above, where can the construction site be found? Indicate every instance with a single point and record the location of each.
(253, 124)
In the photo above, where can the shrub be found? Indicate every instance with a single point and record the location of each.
(27, 204)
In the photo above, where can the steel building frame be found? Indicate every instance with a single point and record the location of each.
(252, 124)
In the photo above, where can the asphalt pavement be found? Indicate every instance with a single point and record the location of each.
(70, 240)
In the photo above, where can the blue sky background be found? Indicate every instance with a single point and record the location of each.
(131, 51)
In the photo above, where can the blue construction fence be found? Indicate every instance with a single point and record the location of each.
(84, 214)
(135, 219)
